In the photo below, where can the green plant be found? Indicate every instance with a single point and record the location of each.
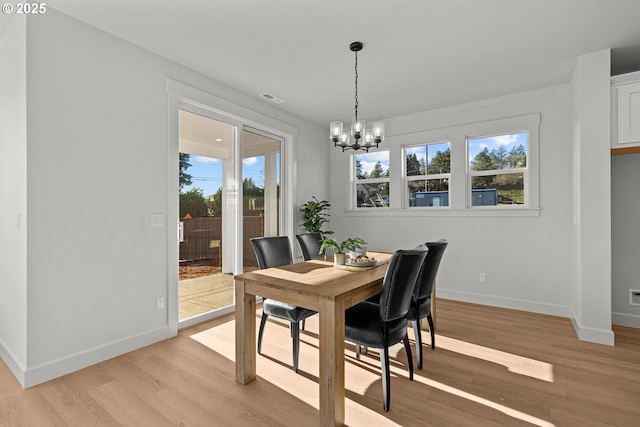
(314, 215)
(351, 244)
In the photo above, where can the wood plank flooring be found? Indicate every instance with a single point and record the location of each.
(491, 367)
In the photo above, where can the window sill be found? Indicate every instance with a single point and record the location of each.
(444, 212)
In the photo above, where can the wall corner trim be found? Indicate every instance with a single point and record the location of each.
(594, 335)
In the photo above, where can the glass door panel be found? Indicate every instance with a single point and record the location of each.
(206, 163)
(260, 190)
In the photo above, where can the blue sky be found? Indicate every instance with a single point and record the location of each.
(206, 173)
(431, 150)
(493, 142)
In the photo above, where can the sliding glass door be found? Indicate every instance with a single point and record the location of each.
(229, 192)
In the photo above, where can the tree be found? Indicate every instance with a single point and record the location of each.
(193, 203)
(360, 173)
(440, 163)
(185, 178)
(482, 161)
(414, 166)
(517, 157)
(216, 204)
(378, 171)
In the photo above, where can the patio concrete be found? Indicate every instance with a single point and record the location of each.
(205, 293)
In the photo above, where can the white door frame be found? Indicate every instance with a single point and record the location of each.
(185, 97)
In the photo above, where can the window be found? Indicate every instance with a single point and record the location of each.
(427, 172)
(498, 169)
(488, 168)
(372, 179)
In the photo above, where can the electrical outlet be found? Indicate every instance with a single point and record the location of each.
(160, 303)
(483, 277)
(634, 296)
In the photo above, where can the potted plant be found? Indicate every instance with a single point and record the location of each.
(339, 248)
(314, 215)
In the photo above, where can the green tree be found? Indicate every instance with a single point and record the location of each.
(193, 203)
(517, 157)
(482, 161)
(414, 166)
(378, 171)
(360, 173)
(440, 163)
(185, 178)
(216, 204)
(249, 188)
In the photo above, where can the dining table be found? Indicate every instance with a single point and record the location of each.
(317, 285)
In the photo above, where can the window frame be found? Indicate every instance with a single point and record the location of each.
(407, 178)
(353, 187)
(490, 172)
(459, 180)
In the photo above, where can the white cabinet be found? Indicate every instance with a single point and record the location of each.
(625, 110)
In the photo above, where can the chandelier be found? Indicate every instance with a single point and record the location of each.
(363, 138)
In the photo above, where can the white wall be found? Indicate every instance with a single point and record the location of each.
(13, 194)
(97, 165)
(526, 259)
(591, 265)
(625, 235)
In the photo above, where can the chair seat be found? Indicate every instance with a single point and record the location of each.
(363, 325)
(425, 309)
(285, 311)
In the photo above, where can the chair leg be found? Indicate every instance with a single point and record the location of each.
(302, 328)
(432, 330)
(407, 348)
(418, 334)
(386, 379)
(263, 321)
(358, 351)
(295, 331)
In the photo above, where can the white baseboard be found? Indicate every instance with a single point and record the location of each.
(598, 336)
(16, 368)
(512, 303)
(38, 374)
(625, 319)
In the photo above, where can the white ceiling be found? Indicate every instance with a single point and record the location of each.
(418, 54)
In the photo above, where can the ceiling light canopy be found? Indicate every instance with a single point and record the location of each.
(363, 138)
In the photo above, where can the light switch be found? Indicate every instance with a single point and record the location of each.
(157, 220)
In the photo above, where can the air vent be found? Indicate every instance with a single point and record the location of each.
(269, 97)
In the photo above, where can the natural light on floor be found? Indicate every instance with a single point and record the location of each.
(359, 381)
(514, 363)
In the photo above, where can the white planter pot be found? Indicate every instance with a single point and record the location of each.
(338, 259)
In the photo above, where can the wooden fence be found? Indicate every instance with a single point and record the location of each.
(203, 239)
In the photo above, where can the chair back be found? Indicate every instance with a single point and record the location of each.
(310, 244)
(272, 251)
(429, 270)
(399, 283)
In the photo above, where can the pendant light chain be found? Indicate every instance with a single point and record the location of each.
(356, 85)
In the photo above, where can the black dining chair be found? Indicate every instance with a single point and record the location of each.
(274, 252)
(383, 324)
(310, 244)
(421, 300)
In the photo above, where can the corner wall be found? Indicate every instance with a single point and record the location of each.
(591, 264)
(13, 195)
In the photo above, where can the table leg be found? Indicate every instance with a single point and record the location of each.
(332, 391)
(245, 335)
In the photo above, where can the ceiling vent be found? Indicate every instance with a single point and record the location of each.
(269, 97)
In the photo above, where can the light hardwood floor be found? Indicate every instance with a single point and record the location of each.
(491, 367)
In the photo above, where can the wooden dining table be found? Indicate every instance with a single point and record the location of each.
(319, 286)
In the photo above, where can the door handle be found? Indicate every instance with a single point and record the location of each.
(180, 231)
